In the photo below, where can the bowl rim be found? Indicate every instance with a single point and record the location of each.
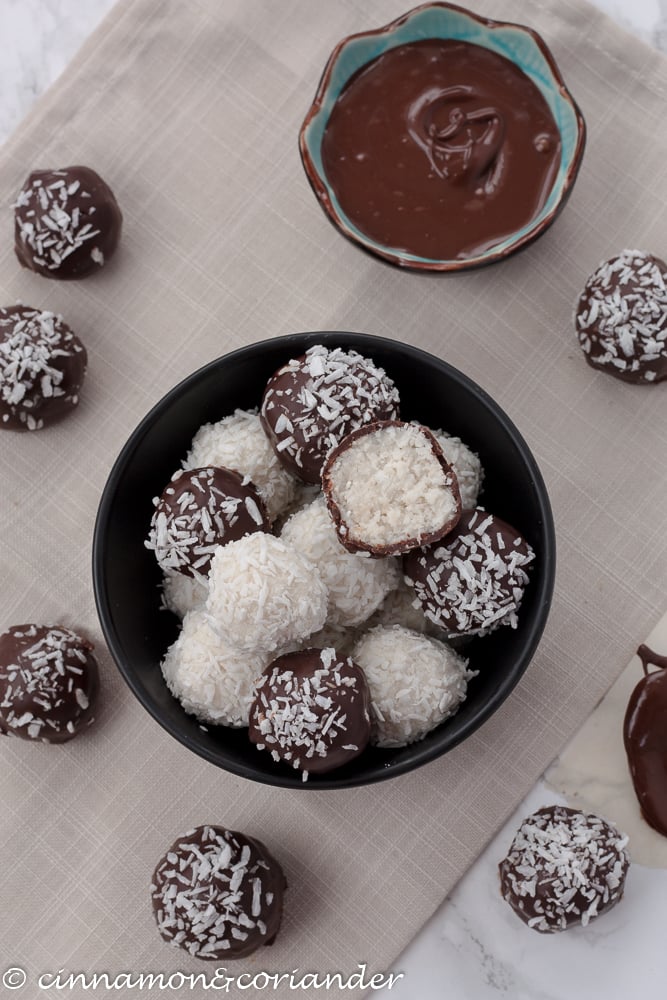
(421, 753)
(397, 257)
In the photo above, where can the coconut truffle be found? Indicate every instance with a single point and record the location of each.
(473, 580)
(42, 367)
(264, 594)
(218, 894)
(67, 222)
(356, 584)
(389, 488)
(181, 593)
(239, 442)
(199, 510)
(621, 317)
(311, 710)
(415, 682)
(466, 465)
(211, 679)
(49, 682)
(564, 868)
(313, 401)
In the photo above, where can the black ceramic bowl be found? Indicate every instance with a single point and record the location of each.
(127, 578)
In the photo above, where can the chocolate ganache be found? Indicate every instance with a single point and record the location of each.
(441, 149)
(645, 738)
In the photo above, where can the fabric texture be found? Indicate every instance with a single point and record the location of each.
(191, 112)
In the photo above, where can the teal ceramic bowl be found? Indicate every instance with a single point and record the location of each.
(521, 45)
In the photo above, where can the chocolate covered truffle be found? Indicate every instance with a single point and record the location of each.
(313, 401)
(389, 488)
(67, 222)
(564, 867)
(48, 683)
(311, 710)
(218, 894)
(199, 510)
(473, 580)
(42, 367)
(621, 318)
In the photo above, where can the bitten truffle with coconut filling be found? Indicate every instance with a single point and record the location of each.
(356, 584)
(312, 402)
(239, 442)
(389, 488)
(415, 683)
(42, 367)
(311, 710)
(621, 317)
(199, 510)
(218, 894)
(67, 222)
(564, 868)
(264, 594)
(49, 683)
(211, 679)
(474, 579)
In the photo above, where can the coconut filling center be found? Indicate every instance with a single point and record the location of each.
(390, 486)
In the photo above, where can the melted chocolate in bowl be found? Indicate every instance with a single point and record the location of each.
(441, 149)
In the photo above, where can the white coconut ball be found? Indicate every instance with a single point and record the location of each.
(211, 679)
(398, 608)
(239, 442)
(415, 683)
(466, 465)
(182, 593)
(357, 585)
(264, 593)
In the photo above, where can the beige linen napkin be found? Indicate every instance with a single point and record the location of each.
(191, 112)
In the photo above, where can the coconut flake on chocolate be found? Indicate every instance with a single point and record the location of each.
(389, 488)
(239, 442)
(311, 710)
(415, 683)
(474, 579)
(42, 367)
(67, 222)
(621, 317)
(218, 894)
(313, 401)
(49, 682)
(199, 510)
(564, 867)
(264, 594)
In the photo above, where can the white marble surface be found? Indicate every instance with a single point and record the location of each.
(473, 948)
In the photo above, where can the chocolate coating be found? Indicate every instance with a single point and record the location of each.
(49, 683)
(311, 710)
(563, 868)
(472, 580)
(218, 894)
(441, 148)
(199, 510)
(621, 318)
(67, 222)
(42, 367)
(313, 401)
(645, 740)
